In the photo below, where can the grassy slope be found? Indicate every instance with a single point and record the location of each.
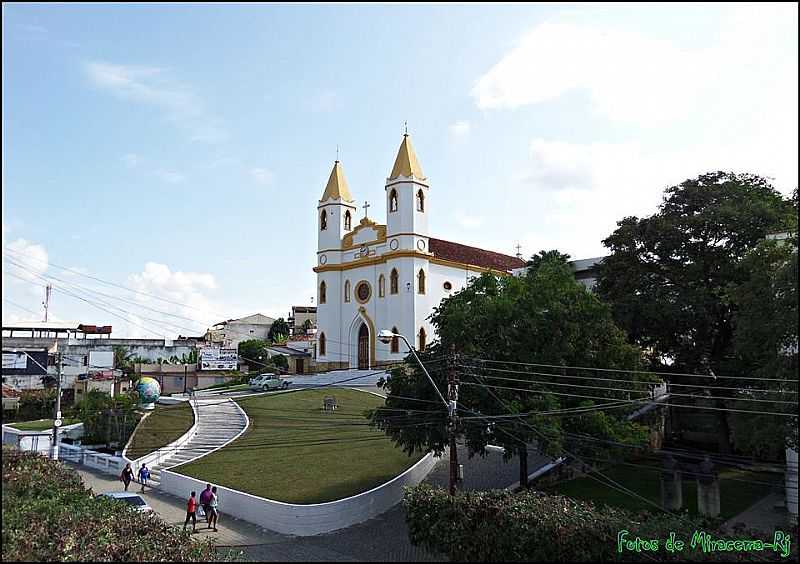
(735, 496)
(166, 424)
(41, 424)
(287, 453)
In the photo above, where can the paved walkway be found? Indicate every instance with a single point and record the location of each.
(219, 421)
(765, 516)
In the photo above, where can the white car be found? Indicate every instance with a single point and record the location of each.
(265, 382)
(130, 498)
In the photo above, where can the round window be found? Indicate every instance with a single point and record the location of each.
(363, 292)
(393, 244)
(448, 286)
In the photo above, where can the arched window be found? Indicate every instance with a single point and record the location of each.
(381, 286)
(322, 344)
(347, 221)
(323, 221)
(393, 281)
(422, 336)
(421, 282)
(347, 291)
(393, 200)
(322, 292)
(420, 201)
(395, 341)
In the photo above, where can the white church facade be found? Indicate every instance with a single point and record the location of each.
(373, 276)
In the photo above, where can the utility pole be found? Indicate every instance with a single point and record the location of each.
(57, 418)
(452, 423)
(46, 303)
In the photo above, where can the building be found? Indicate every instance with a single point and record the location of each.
(373, 276)
(228, 334)
(585, 271)
(301, 317)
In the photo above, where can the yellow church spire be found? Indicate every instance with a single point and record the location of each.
(406, 163)
(337, 185)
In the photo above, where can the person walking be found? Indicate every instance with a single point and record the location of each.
(191, 509)
(213, 505)
(144, 475)
(127, 475)
(205, 498)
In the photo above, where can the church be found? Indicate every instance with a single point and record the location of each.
(373, 276)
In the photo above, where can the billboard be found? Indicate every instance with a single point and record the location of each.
(101, 360)
(215, 358)
(15, 361)
(27, 363)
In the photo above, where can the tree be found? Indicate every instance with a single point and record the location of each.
(766, 345)
(123, 359)
(278, 331)
(668, 275)
(280, 361)
(544, 317)
(49, 381)
(307, 326)
(253, 352)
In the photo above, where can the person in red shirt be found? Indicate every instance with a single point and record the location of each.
(191, 509)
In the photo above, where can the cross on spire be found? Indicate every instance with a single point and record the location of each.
(405, 125)
(337, 152)
(365, 206)
(519, 254)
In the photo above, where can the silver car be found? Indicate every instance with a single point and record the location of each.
(132, 499)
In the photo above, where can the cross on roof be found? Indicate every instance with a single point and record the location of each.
(519, 254)
(365, 206)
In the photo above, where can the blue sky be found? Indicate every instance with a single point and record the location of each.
(181, 150)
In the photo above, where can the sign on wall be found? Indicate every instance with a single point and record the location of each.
(15, 361)
(101, 360)
(215, 358)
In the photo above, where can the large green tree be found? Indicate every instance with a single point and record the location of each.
(278, 331)
(253, 352)
(495, 322)
(668, 275)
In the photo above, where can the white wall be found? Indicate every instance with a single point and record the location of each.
(303, 520)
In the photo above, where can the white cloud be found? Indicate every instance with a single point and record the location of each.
(468, 221)
(170, 177)
(153, 86)
(23, 263)
(459, 129)
(261, 175)
(131, 160)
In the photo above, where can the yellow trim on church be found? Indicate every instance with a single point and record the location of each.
(347, 240)
(337, 188)
(413, 254)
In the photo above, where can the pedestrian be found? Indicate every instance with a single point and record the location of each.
(191, 508)
(127, 475)
(205, 498)
(213, 505)
(144, 475)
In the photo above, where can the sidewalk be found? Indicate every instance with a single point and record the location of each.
(766, 515)
(231, 532)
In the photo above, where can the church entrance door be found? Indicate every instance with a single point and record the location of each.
(363, 347)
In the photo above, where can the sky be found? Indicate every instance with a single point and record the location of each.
(162, 164)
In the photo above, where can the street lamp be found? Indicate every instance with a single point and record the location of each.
(385, 336)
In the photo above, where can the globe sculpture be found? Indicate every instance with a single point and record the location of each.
(149, 392)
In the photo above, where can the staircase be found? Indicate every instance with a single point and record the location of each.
(218, 422)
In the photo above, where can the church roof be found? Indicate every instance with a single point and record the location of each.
(406, 163)
(337, 185)
(457, 252)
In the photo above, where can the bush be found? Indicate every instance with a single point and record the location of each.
(49, 515)
(536, 527)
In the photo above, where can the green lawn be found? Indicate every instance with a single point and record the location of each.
(295, 453)
(41, 424)
(164, 425)
(735, 495)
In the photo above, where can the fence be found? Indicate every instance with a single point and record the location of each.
(103, 462)
(304, 520)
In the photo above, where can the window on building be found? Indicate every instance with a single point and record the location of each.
(323, 221)
(421, 281)
(322, 344)
(347, 221)
(381, 286)
(395, 341)
(322, 292)
(393, 282)
(393, 200)
(420, 201)
(347, 291)
(422, 336)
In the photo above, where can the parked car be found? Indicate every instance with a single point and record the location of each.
(130, 498)
(266, 382)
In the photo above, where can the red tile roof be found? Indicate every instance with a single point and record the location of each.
(9, 392)
(472, 255)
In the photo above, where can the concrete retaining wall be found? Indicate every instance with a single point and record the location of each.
(304, 520)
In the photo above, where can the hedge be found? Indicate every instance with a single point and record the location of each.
(536, 527)
(49, 515)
